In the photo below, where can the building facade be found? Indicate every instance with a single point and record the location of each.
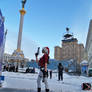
(70, 49)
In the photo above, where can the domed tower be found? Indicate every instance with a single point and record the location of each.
(69, 43)
(70, 49)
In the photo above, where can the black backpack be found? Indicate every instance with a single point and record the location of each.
(48, 60)
(86, 86)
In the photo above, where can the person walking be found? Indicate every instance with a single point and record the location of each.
(60, 72)
(50, 74)
(42, 62)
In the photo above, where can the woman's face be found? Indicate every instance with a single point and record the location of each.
(43, 51)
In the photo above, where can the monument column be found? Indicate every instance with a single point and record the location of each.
(22, 13)
(18, 55)
(18, 51)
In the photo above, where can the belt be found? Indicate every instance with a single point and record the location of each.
(42, 68)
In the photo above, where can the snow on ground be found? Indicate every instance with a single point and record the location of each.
(28, 81)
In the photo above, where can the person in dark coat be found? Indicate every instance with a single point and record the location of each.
(16, 68)
(60, 72)
(50, 74)
(4, 68)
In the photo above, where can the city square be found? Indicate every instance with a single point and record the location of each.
(45, 46)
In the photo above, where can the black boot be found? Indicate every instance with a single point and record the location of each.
(39, 90)
(47, 90)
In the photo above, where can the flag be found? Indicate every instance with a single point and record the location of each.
(1, 40)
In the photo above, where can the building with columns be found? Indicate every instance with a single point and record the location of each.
(70, 49)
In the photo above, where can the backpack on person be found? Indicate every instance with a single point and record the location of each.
(48, 60)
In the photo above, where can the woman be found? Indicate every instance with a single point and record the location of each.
(42, 62)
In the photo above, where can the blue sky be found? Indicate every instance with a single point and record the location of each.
(45, 23)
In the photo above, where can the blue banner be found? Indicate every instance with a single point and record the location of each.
(1, 43)
(1, 40)
(1, 29)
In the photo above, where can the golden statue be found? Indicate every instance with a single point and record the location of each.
(23, 3)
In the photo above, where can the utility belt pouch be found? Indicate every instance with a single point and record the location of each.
(44, 72)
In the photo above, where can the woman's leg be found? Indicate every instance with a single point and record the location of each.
(39, 81)
(46, 84)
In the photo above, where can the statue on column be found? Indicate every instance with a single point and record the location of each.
(23, 3)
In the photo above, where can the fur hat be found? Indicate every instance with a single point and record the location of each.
(46, 49)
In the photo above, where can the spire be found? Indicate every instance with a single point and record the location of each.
(67, 29)
(67, 35)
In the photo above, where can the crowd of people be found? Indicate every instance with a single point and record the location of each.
(10, 68)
